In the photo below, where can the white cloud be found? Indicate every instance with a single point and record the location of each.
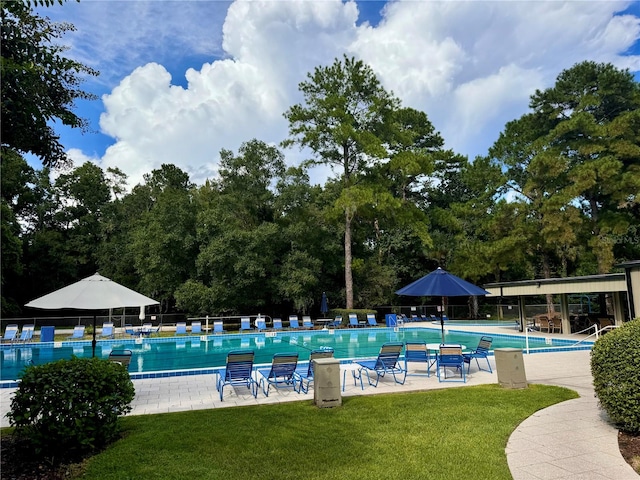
(116, 36)
(483, 106)
(78, 157)
(471, 66)
(229, 101)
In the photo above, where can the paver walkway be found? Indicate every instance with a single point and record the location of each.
(572, 440)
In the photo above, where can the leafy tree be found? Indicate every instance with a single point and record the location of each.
(163, 238)
(573, 162)
(395, 222)
(39, 84)
(544, 215)
(240, 244)
(120, 218)
(61, 227)
(469, 193)
(311, 243)
(82, 195)
(14, 197)
(342, 120)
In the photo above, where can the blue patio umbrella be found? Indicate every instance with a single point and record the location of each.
(324, 304)
(441, 283)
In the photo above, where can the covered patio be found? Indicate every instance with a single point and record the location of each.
(624, 289)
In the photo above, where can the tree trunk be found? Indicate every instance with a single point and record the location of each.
(348, 217)
(474, 308)
(348, 274)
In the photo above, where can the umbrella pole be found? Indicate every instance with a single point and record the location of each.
(442, 319)
(93, 342)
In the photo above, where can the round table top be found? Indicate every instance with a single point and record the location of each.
(436, 346)
(350, 366)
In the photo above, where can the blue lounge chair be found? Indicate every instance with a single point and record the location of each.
(371, 320)
(245, 324)
(78, 333)
(10, 333)
(238, 371)
(218, 326)
(131, 330)
(27, 333)
(196, 328)
(261, 324)
(337, 322)
(305, 375)
(306, 322)
(481, 351)
(353, 320)
(181, 328)
(450, 357)
(417, 352)
(277, 324)
(148, 329)
(107, 330)
(283, 366)
(293, 322)
(387, 362)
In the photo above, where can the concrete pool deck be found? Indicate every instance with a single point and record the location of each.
(570, 440)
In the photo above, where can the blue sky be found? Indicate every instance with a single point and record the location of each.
(181, 80)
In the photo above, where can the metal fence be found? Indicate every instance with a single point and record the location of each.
(505, 312)
(491, 312)
(69, 321)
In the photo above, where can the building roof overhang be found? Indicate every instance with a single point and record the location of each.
(611, 282)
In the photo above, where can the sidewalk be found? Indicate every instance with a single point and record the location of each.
(572, 440)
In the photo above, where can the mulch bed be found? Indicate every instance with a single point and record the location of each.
(630, 449)
(17, 463)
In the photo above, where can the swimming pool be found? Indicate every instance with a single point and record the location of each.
(170, 356)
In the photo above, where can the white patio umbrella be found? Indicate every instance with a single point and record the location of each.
(92, 293)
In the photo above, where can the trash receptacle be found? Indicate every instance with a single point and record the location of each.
(326, 382)
(47, 334)
(510, 367)
(391, 319)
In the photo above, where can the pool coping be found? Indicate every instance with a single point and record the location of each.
(564, 346)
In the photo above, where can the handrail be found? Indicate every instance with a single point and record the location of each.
(608, 327)
(597, 332)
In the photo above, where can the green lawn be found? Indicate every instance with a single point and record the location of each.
(454, 433)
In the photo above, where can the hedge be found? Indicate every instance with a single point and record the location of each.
(69, 408)
(615, 366)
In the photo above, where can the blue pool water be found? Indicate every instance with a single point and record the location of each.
(190, 355)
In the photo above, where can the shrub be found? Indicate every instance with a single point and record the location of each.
(615, 366)
(69, 408)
